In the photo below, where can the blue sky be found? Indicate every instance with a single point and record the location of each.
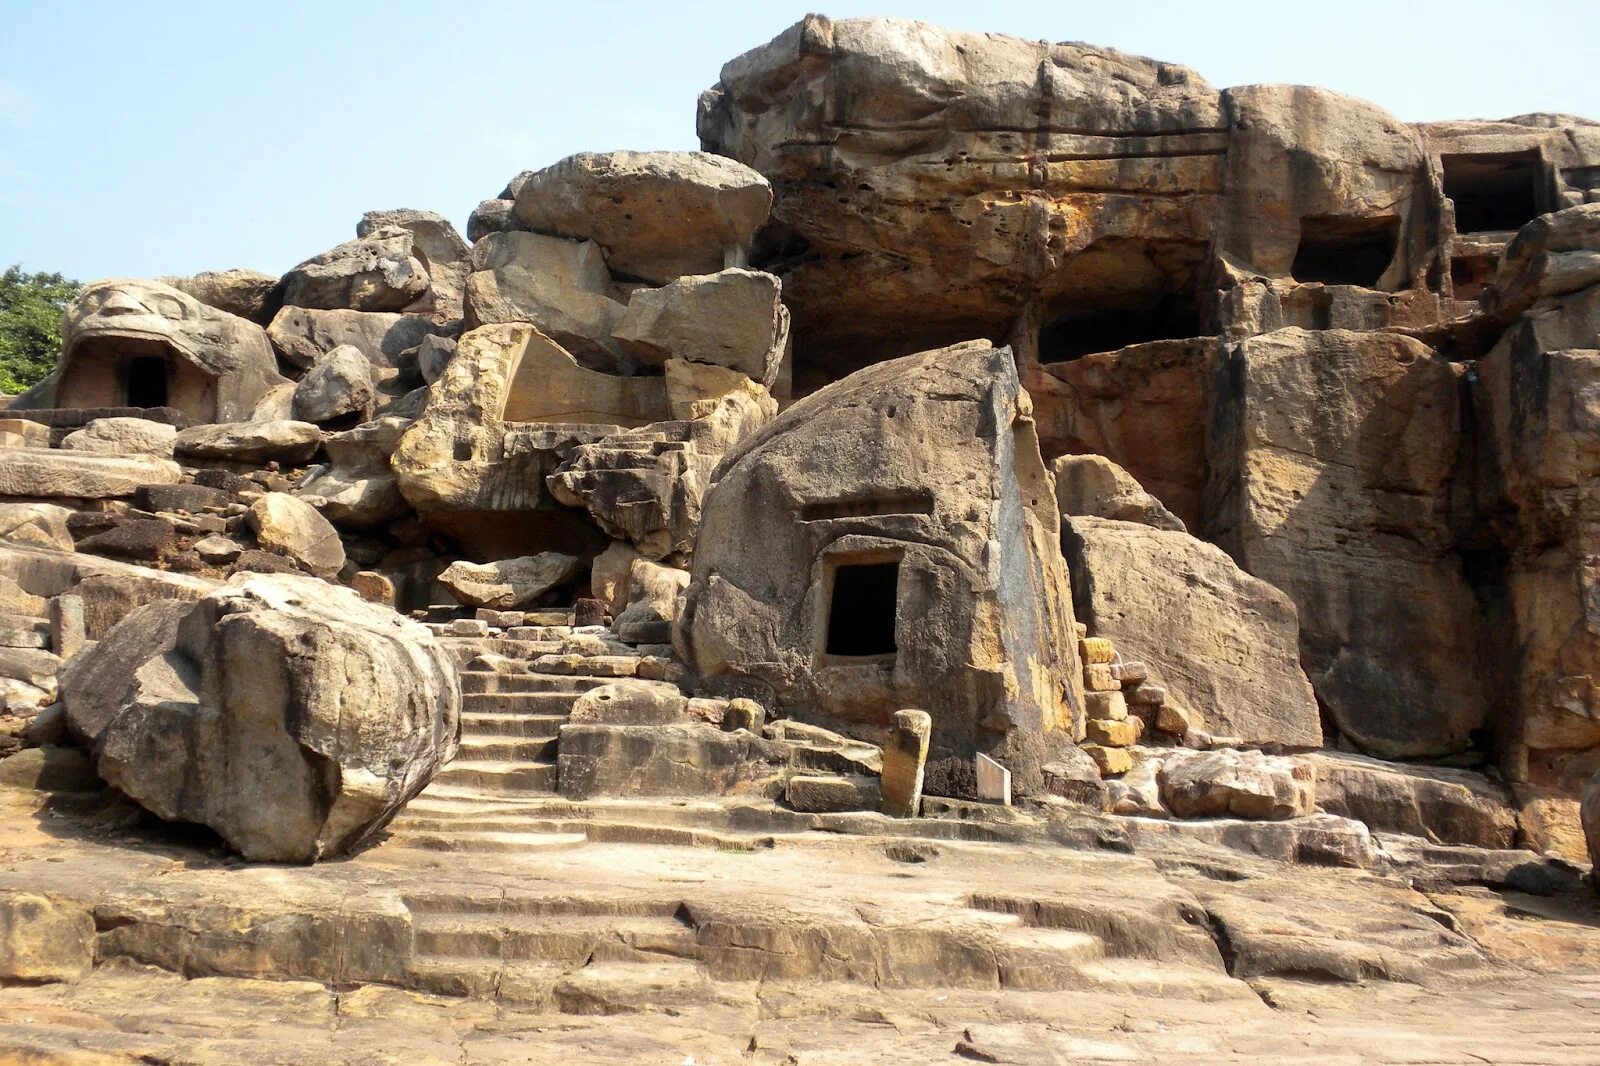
(171, 136)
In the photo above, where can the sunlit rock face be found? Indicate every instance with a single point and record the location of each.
(892, 542)
(129, 343)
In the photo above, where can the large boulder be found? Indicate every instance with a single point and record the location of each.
(123, 436)
(302, 334)
(1333, 457)
(658, 215)
(292, 528)
(1442, 804)
(438, 247)
(510, 583)
(337, 388)
(292, 717)
(246, 293)
(1237, 784)
(376, 272)
(1220, 641)
(892, 541)
(560, 286)
(733, 318)
(286, 441)
(356, 487)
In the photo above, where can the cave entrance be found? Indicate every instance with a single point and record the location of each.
(861, 610)
(1078, 333)
(1493, 193)
(1337, 250)
(146, 381)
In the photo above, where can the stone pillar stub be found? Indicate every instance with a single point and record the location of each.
(905, 757)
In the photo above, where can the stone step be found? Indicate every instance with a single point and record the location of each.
(493, 773)
(477, 681)
(571, 940)
(465, 649)
(518, 702)
(506, 749)
(455, 796)
(500, 724)
(588, 665)
(452, 821)
(486, 840)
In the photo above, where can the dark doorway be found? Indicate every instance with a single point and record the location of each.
(147, 382)
(1493, 193)
(1171, 317)
(1345, 251)
(861, 614)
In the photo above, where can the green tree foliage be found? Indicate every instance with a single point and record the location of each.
(30, 325)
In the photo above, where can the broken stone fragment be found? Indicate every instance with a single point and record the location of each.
(41, 525)
(510, 583)
(52, 473)
(301, 334)
(562, 287)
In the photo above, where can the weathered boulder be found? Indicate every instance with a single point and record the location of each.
(733, 318)
(301, 334)
(337, 388)
(377, 272)
(631, 702)
(43, 525)
(46, 473)
(510, 583)
(433, 355)
(23, 433)
(560, 286)
(136, 538)
(246, 293)
(1555, 254)
(123, 436)
(1449, 806)
(290, 716)
(490, 217)
(292, 528)
(437, 246)
(1217, 639)
(654, 595)
(1094, 486)
(658, 215)
(356, 487)
(908, 557)
(1333, 455)
(130, 343)
(1238, 784)
(288, 442)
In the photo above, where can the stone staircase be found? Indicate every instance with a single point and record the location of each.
(574, 951)
(518, 686)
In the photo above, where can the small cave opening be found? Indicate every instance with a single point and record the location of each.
(861, 610)
(1337, 250)
(146, 383)
(1493, 193)
(1078, 332)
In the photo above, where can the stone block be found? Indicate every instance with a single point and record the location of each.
(818, 794)
(1111, 761)
(1097, 677)
(744, 714)
(1097, 650)
(1108, 705)
(1115, 733)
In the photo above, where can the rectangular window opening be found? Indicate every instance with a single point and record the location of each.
(1335, 250)
(1493, 193)
(861, 613)
(147, 382)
